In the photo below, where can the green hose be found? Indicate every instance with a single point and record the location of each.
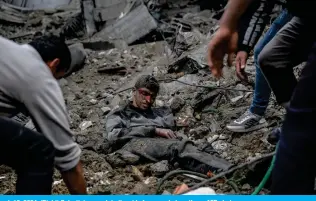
(266, 176)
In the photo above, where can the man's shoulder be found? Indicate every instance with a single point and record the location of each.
(118, 111)
(162, 111)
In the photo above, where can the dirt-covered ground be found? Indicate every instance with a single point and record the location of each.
(203, 114)
(89, 93)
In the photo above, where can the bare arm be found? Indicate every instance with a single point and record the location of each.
(75, 181)
(233, 12)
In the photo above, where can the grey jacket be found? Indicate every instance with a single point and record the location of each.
(28, 86)
(129, 122)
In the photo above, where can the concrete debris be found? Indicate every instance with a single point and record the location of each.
(85, 124)
(40, 4)
(159, 103)
(108, 9)
(214, 125)
(160, 168)
(93, 101)
(199, 132)
(194, 59)
(78, 57)
(219, 145)
(166, 39)
(97, 44)
(212, 138)
(236, 99)
(203, 98)
(105, 110)
(131, 27)
(177, 103)
(88, 12)
(136, 174)
(62, 82)
(173, 87)
(10, 15)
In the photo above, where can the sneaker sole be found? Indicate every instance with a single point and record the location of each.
(254, 128)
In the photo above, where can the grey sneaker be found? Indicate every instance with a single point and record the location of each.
(247, 122)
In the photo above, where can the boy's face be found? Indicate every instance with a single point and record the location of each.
(144, 98)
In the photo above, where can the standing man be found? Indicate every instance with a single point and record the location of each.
(292, 44)
(28, 84)
(250, 29)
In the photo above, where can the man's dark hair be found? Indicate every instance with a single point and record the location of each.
(149, 82)
(52, 47)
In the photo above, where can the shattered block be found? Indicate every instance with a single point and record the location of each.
(109, 11)
(196, 57)
(78, 57)
(131, 27)
(11, 15)
(88, 16)
(107, 3)
(204, 98)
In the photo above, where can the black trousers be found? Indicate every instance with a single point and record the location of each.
(295, 167)
(30, 154)
(289, 48)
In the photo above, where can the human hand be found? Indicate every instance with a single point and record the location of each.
(241, 61)
(75, 181)
(166, 133)
(223, 42)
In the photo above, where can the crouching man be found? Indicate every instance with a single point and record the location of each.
(147, 132)
(28, 84)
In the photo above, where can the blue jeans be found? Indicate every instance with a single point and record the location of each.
(262, 90)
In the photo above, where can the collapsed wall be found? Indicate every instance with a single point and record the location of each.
(39, 4)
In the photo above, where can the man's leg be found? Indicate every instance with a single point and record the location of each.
(30, 154)
(174, 150)
(262, 90)
(286, 50)
(252, 120)
(295, 166)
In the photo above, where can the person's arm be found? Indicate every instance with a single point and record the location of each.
(233, 12)
(43, 99)
(117, 128)
(74, 180)
(252, 24)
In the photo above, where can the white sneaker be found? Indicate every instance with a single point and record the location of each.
(247, 122)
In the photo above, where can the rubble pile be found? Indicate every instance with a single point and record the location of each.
(113, 42)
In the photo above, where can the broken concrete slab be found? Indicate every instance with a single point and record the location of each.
(88, 8)
(196, 56)
(97, 44)
(40, 4)
(108, 10)
(173, 87)
(11, 15)
(106, 3)
(131, 27)
(78, 57)
(203, 98)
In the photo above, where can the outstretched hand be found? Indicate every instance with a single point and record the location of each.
(241, 61)
(165, 133)
(224, 42)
